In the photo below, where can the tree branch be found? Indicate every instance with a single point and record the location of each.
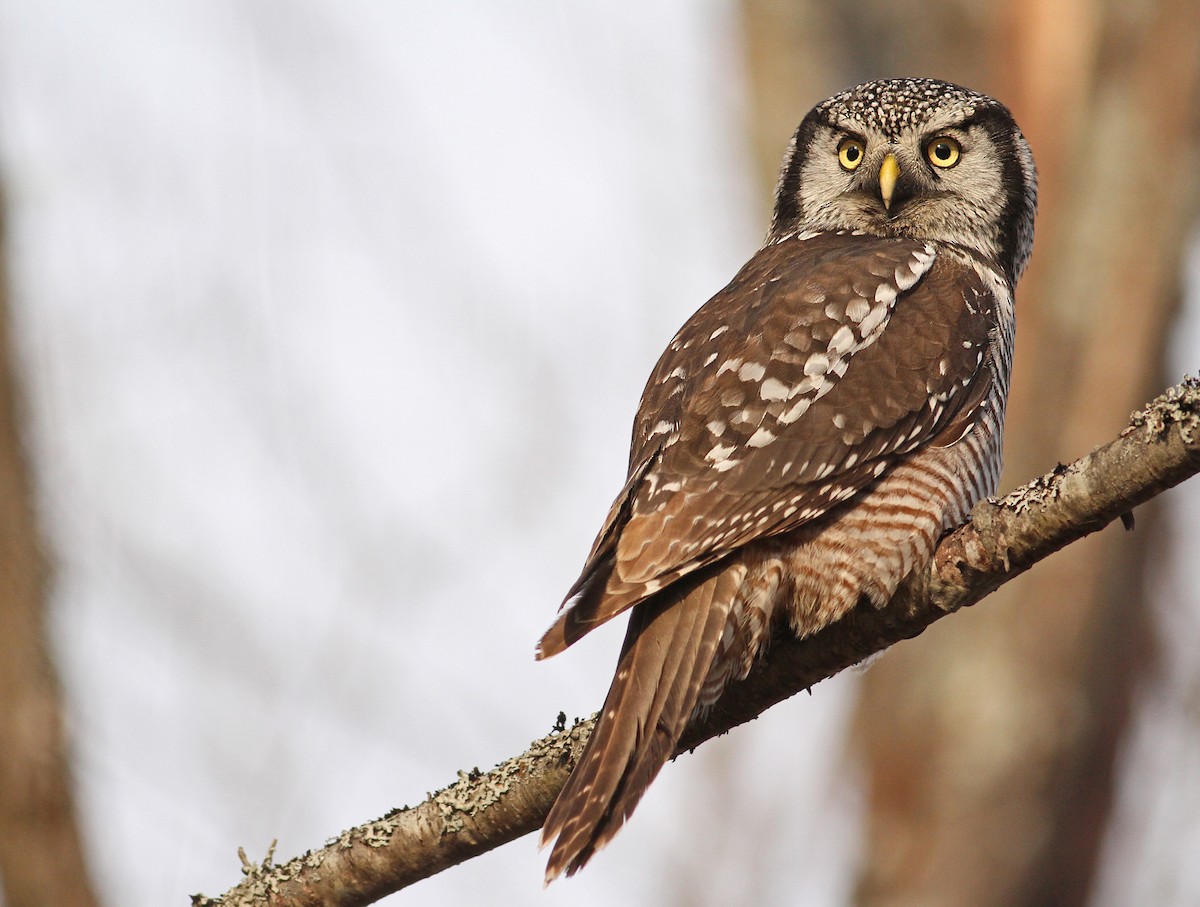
(481, 811)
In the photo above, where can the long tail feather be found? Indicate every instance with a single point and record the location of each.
(668, 652)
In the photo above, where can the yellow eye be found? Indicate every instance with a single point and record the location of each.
(943, 152)
(851, 153)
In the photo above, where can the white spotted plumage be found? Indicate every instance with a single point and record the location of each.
(812, 430)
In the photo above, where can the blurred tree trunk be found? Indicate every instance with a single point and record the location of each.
(990, 743)
(41, 856)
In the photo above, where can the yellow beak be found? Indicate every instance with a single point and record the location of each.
(889, 172)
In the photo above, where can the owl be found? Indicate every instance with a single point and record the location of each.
(816, 426)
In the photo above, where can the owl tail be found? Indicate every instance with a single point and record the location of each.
(668, 653)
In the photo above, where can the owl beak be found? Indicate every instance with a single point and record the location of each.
(889, 173)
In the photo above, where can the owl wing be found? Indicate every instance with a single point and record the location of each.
(826, 360)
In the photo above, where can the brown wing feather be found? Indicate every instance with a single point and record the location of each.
(668, 649)
(874, 413)
(897, 327)
(585, 607)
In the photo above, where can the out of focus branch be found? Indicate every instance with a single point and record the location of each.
(481, 811)
(42, 859)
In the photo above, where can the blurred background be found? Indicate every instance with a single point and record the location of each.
(323, 330)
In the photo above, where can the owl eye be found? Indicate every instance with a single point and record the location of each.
(851, 153)
(943, 152)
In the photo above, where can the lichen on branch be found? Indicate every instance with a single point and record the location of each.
(1004, 537)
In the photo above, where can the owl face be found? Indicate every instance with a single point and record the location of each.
(913, 158)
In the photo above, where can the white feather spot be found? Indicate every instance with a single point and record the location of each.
(857, 309)
(710, 360)
(678, 372)
(761, 438)
(725, 465)
(752, 371)
(915, 269)
(717, 427)
(719, 453)
(839, 420)
(729, 365)
(718, 332)
(795, 411)
(803, 386)
(873, 320)
(841, 342)
(774, 389)
(661, 428)
(816, 365)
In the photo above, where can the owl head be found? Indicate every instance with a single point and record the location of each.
(914, 158)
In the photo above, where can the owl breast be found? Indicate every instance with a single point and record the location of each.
(815, 575)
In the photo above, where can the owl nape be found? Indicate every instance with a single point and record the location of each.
(813, 429)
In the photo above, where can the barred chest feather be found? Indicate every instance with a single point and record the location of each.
(861, 549)
(813, 576)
